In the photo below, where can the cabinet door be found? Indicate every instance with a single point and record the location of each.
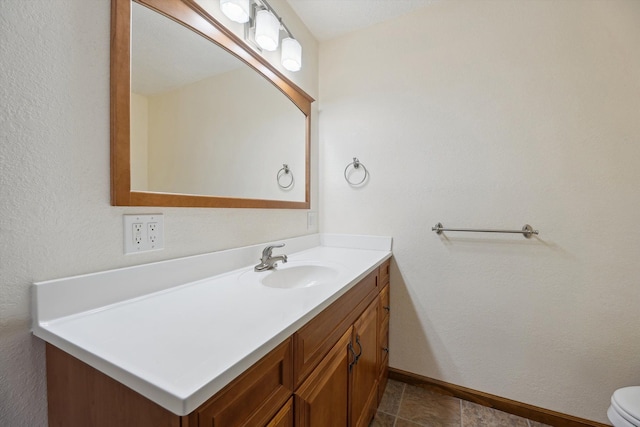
(322, 400)
(364, 374)
(384, 309)
(383, 355)
(384, 272)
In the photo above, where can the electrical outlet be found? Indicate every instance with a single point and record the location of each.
(143, 233)
(136, 230)
(152, 233)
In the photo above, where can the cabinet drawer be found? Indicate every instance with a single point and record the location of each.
(254, 397)
(384, 271)
(314, 340)
(284, 417)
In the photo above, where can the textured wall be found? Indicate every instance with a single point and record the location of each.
(55, 215)
(493, 114)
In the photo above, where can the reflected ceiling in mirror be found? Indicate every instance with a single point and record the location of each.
(205, 128)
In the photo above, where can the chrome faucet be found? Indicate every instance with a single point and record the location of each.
(268, 262)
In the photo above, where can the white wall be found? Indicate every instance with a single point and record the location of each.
(494, 114)
(55, 215)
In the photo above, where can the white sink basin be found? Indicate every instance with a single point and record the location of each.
(299, 276)
(294, 275)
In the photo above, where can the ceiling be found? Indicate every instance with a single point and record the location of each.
(327, 19)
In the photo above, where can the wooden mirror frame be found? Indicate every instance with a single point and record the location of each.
(191, 15)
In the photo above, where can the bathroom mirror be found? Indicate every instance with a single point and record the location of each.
(198, 118)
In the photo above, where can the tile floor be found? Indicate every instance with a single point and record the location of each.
(404, 405)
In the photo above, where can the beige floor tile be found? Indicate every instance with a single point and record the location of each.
(390, 402)
(404, 423)
(426, 408)
(382, 420)
(481, 416)
(405, 405)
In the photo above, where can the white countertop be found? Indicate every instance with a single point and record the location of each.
(181, 344)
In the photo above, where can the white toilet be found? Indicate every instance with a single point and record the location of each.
(625, 407)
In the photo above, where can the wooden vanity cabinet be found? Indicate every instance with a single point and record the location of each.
(284, 417)
(384, 273)
(314, 340)
(323, 399)
(342, 389)
(326, 374)
(363, 388)
(79, 395)
(384, 310)
(254, 397)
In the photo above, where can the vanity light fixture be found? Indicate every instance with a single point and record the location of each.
(291, 54)
(267, 30)
(236, 10)
(262, 31)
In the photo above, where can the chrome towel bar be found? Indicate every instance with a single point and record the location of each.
(526, 231)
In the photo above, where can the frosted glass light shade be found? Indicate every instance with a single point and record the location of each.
(291, 54)
(267, 30)
(236, 10)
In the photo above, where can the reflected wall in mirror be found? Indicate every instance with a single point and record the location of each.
(202, 127)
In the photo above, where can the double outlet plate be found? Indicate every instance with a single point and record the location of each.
(143, 233)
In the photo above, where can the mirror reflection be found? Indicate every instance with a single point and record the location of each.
(205, 123)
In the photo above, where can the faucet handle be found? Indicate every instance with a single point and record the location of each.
(266, 252)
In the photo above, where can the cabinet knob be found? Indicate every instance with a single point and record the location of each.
(386, 307)
(385, 349)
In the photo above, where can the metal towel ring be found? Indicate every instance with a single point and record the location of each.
(356, 165)
(284, 170)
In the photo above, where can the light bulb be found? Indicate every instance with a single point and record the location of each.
(236, 10)
(267, 30)
(291, 54)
